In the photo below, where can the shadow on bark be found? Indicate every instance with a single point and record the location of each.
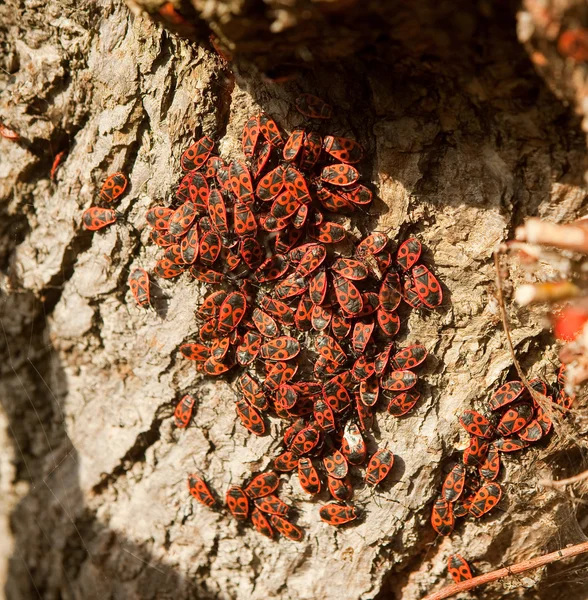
(72, 554)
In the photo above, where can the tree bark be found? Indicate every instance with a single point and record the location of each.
(464, 140)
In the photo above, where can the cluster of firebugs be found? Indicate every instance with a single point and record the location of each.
(515, 421)
(257, 233)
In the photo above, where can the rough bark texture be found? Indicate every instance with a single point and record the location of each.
(464, 141)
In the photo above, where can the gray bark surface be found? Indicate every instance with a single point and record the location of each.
(464, 141)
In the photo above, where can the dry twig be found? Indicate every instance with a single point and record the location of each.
(521, 567)
(563, 482)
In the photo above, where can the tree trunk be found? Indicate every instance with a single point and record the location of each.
(464, 140)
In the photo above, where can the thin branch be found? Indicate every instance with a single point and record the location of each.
(526, 565)
(505, 323)
(563, 482)
(572, 236)
(542, 400)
